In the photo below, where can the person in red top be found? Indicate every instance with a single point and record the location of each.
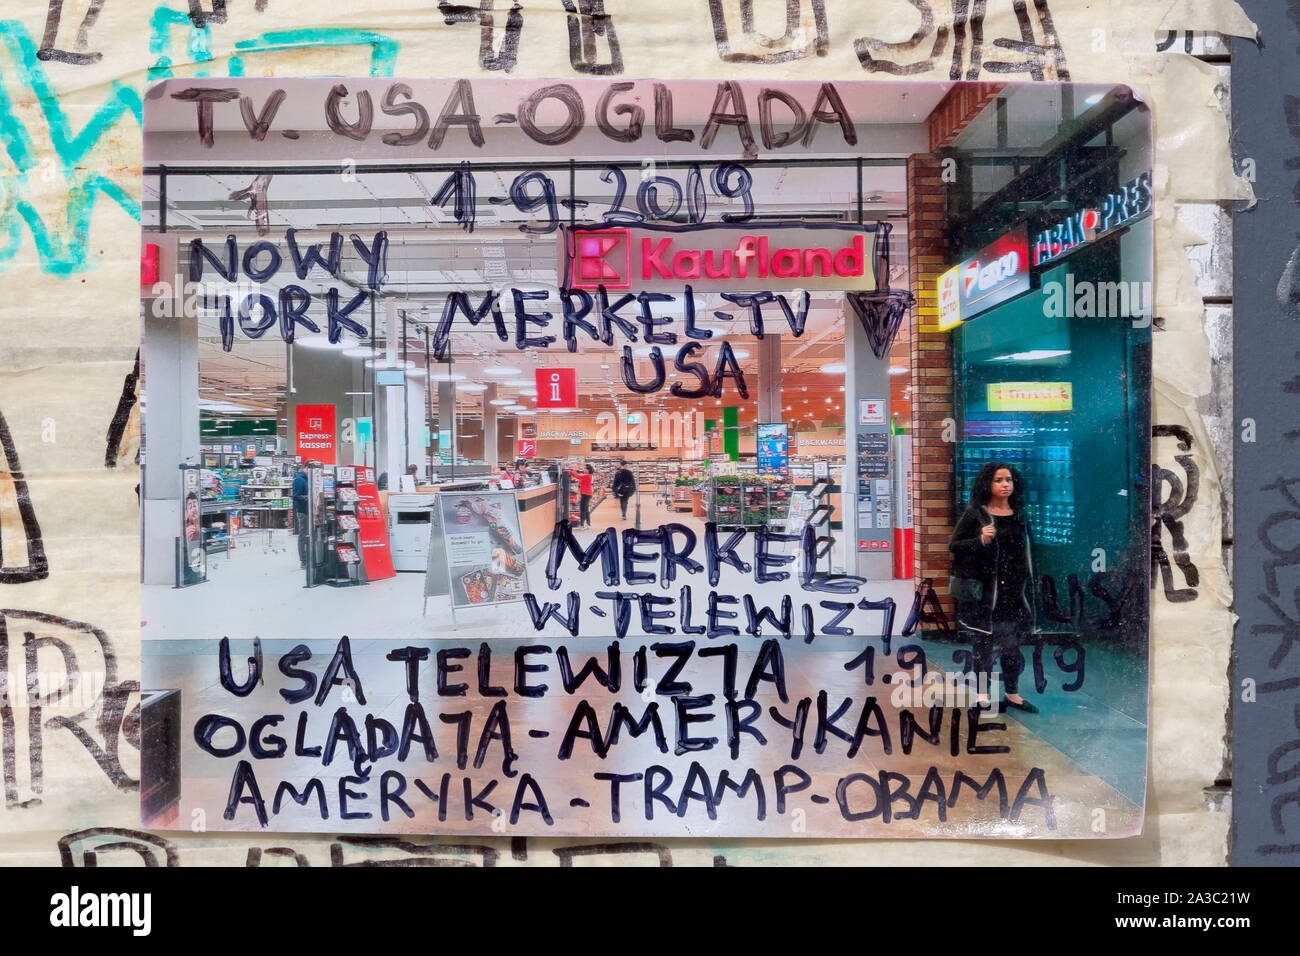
(584, 479)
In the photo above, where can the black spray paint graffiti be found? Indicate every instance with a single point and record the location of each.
(118, 427)
(437, 854)
(594, 46)
(1276, 535)
(739, 42)
(586, 21)
(881, 311)
(1038, 44)
(567, 855)
(199, 16)
(22, 551)
(1125, 609)
(1170, 37)
(80, 53)
(85, 848)
(103, 718)
(1168, 510)
(1285, 629)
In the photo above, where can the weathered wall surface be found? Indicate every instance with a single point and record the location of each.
(71, 81)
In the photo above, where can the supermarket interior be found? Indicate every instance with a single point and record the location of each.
(863, 411)
(402, 397)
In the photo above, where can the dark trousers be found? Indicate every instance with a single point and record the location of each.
(304, 538)
(622, 503)
(584, 511)
(1005, 643)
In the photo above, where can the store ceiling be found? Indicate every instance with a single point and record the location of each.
(429, 256)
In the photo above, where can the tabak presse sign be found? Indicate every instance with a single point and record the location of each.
(1130, 202)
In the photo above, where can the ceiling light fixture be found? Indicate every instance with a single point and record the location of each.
(1033, 355)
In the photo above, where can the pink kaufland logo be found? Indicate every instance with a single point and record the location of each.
(752, 258)
(602, 258)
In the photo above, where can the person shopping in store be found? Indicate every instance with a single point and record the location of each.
(623, 486)
(584, 476)
(407, 482)
(300, 493)
(993, 579)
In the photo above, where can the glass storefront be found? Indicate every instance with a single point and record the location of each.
(1055, 380)
(1055, 397)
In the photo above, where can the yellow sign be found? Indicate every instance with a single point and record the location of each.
(1031, 397)
(949, 299)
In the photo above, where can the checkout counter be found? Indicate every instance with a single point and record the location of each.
(409, 516)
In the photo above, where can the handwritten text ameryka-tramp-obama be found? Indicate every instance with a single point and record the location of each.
(676, 711)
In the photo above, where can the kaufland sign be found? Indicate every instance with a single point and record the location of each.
(739, 257)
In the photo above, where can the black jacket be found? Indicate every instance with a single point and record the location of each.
(624, 483)
(975, 571)
(300, 493)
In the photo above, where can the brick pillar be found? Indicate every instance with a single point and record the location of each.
(932, 457)
(933, 464)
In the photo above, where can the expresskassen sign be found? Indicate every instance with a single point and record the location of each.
(731, 256)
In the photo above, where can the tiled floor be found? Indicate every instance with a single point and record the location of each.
(253, 593)
(1088, 745)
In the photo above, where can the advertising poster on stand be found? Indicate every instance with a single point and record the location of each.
(485, 554)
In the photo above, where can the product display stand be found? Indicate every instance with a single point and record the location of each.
(820, 518)
(749, 501)
(343, 533)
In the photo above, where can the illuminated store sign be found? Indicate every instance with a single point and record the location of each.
(1000, 271)
(315, 428)
(1132, 201)
(1031, 397)
(834, 257)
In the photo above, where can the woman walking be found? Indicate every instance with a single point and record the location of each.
(993, 579)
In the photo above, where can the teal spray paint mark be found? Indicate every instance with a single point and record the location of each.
(62, 250)
(383, 55)
(383, 50)
(161, 22)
